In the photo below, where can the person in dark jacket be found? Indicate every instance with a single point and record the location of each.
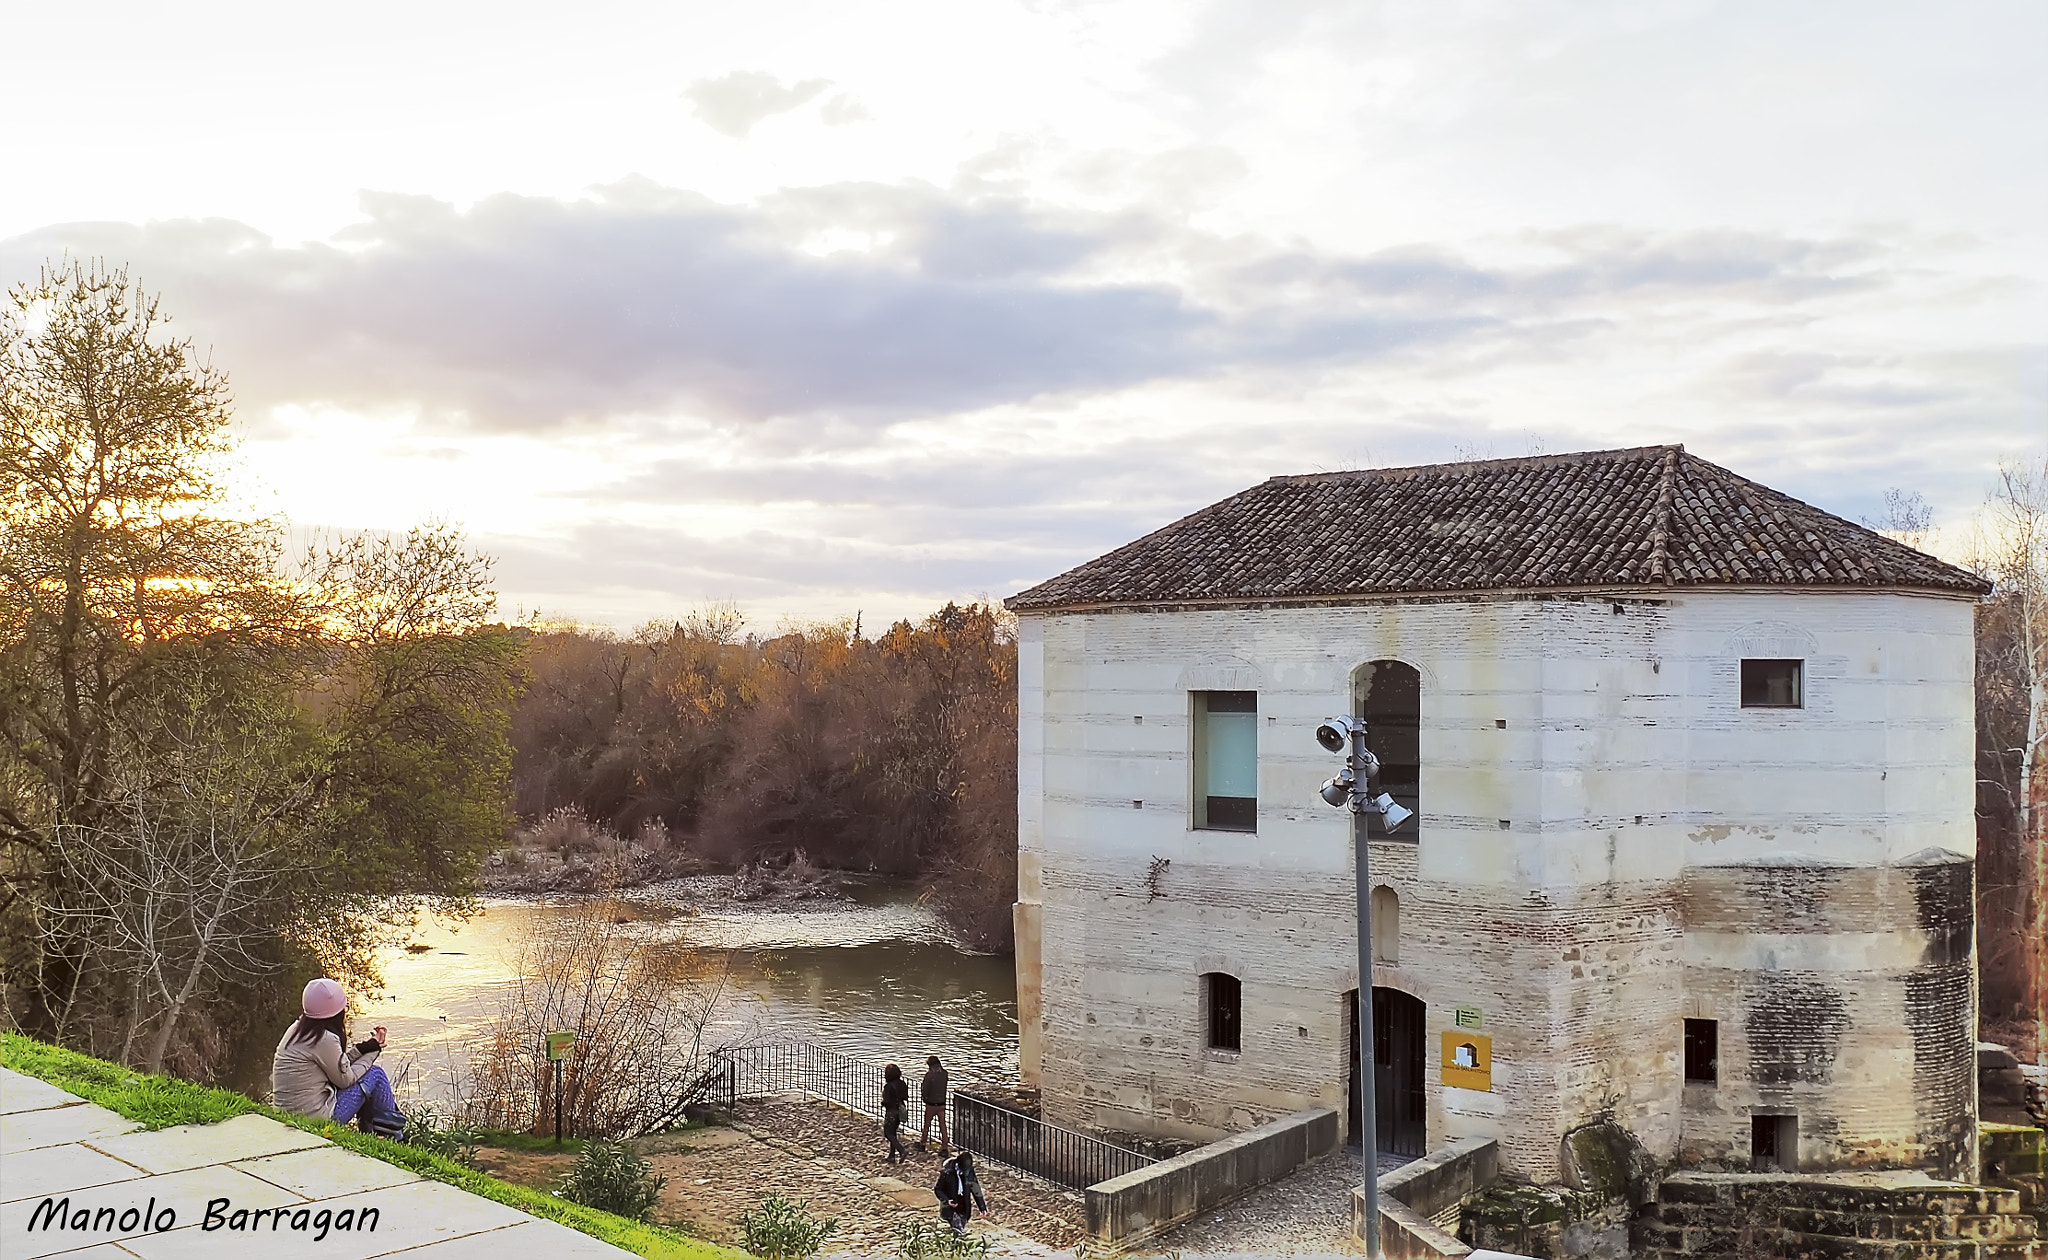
(933, 1090)
(895, 1110)
(959, 1192)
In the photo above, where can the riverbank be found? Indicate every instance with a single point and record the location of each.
(557, 860)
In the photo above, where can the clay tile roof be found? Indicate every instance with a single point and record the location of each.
(1651, 517)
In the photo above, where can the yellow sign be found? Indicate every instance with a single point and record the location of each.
(559, 1045)
(1468, 1060)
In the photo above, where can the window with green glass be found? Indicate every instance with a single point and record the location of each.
(1226, 732)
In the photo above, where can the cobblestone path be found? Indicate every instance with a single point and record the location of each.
(819, 1153)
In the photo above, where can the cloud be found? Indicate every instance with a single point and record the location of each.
(526, 314)
(842, 110)
(732, 104)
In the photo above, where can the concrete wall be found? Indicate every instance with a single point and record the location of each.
(1579, 757)
(1127, 1211)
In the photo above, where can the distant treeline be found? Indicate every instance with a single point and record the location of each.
(896, 755)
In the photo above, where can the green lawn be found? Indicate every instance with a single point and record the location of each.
(158, 1102)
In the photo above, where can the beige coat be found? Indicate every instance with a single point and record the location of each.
(306, 1075)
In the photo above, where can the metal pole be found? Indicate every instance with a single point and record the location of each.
(1368, 1102)
(558, 1102)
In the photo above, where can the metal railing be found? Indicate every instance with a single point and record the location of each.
(1027, 1143)
(989, 1129)
(797, 1067)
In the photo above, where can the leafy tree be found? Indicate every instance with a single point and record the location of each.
(206, 757)
(110, 440)
(416, 688)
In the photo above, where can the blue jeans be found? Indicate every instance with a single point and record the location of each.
(371, 1096)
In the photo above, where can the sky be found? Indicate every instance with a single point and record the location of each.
(835, 307)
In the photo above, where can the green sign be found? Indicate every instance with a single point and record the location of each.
(1468, 1017)
(559, 1045)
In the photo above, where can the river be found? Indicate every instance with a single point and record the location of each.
(878, 976)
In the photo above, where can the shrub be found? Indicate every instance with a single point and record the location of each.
(567, 832)
(425, 1129)
(923, 1240)
(782, 1230)
(611, 1178)
(641, 1017)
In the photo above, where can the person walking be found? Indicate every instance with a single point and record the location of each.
(895, 1110)
(959, 1191)
(317, 1073)
(933, 1091)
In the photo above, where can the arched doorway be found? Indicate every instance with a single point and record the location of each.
(1400, 1105)
(1388, 695)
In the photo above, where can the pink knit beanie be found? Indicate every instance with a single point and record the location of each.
(324, 999)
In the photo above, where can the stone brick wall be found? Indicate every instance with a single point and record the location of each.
(1843, 996)
(1583, 759)
(1851, 1217)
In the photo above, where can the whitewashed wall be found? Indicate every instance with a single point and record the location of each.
(1549, 880)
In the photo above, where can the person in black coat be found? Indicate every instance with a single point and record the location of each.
(933, 1090)
(959, 1192)
(895, 1110)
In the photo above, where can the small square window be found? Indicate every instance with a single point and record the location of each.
(1768, 684)
(1225, 998)
(1226, 754)
(1774, 1143)
(1702, 1051)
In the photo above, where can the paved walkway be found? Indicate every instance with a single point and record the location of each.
(1306, 1213)
(149, 1195)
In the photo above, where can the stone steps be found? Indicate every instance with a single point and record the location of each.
(1836, 1218)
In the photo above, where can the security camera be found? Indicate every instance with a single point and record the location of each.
(1335, 733)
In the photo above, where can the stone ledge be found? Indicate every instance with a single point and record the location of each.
(1139, 1206)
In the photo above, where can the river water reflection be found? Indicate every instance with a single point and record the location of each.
(879, 977)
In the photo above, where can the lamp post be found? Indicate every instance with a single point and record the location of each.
(1352, 787)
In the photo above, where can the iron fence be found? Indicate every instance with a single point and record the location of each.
(797, 1067)
(1027, 1143)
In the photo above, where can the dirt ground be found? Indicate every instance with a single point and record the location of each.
(818, 1153)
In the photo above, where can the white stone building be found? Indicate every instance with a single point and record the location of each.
(1692, 767)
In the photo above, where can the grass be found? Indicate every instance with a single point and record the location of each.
(506, 1140)
(157, 1102)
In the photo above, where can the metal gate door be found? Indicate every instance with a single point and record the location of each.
(1403, 1108)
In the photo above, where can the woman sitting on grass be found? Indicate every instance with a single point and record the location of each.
(317, 1073)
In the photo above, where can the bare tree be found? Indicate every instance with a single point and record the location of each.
(185, 873)
(641, 1013)
(2020, 509)
(2011, 548)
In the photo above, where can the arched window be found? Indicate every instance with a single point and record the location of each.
(1388, 695)
(1223, 998)
(1386, 925)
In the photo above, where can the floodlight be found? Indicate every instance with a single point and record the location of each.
(1391, 812)
(1337, 789)
(1335, 733)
